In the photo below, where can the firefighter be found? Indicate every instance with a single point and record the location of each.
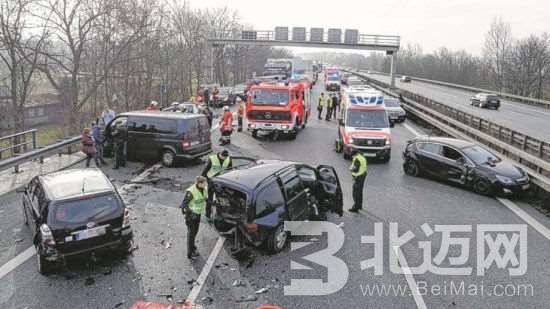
(192, 207)
(226, 126)
(320, 106)
(240, 114)
(216, 163)
(358, 168)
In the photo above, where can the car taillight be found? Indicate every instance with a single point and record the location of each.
(126, 218)
(185, 143)
(46, 236)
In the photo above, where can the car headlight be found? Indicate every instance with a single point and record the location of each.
(388, 142)
(252, 125)
(505, 180)
(351, 140)
(285, 127)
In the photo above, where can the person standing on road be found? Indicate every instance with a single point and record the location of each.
(358, 168)
(208, 113)
(88, 147)
(320, 106)
(216, 163)
(120, 137)
(206, 96)
(240, 114)
(329, 108)
(226, 126)
(99, 140)
(192, 207)
(107, 115)
(335, 105)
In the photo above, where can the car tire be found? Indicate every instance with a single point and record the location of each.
(483, 187)
(44, 266)
(386, 159)
(168, 158)
(278, 239)
(411, 168)
(347, 156)
(255, 133)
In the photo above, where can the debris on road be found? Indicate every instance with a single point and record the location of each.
(341, 225)
(89, 281)
(262, 290)
(119, 304)
(207, 300)
(238, 283)
(249, 298)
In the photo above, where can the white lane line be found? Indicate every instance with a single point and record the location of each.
(526, 217)
(513, 207)
(16, 261)
(206, 270)
(413, 130)
(418, 299)
(30, 251)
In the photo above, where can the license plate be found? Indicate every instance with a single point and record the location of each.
(525, 187)
(89, 233)
(195, 143)
(370, 155)
(267, 124)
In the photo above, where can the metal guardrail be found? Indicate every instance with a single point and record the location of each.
(17, 141)
(517, 98)
(39, 153)
(531, 154)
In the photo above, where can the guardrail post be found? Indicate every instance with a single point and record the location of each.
(34, 140)
(16, 168)
(512, 137)
(541, 149)
(480, 125)
(499, 132)
(524, 146)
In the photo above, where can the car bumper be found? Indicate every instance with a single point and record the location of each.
(332, 87)
(188, 156)
(399, 118)
(58, 256)
(369, 152)
(512, 189)
(270, 126)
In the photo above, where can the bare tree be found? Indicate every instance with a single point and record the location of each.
(17, 52)
(498, 43)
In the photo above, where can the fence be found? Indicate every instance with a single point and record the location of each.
(17, 143)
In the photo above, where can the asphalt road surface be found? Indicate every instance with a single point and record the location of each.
(159, 271)
(531, 120)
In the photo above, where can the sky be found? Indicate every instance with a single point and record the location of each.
(455, 24)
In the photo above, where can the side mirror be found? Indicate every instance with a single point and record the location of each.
(21, 190)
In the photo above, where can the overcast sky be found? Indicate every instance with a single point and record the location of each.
(455, 24)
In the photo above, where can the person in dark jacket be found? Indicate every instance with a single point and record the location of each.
(208, 113)
(88, 147)
(120, 137)
(99, 140)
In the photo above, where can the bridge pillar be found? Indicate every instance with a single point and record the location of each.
(392, 68)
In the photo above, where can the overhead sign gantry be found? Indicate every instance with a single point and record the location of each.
(315, 37)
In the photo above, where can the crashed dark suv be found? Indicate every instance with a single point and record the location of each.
(255, 198)
(74, 212)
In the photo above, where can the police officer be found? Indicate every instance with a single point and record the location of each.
(216, 163)
(120, 137)
(320, 106)
(240, 114)
(192, 207)
(358, 170)
(329, 108)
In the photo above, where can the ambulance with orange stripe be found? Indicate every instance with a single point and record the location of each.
(364, 124)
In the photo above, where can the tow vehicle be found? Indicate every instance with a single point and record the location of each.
(278, 107)
(364, 124)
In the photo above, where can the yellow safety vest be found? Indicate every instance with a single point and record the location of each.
(321, 102)
(216, 165)
(329, 101)
(363, 166)
(198, 203)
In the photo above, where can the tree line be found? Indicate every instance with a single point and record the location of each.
(118, 53)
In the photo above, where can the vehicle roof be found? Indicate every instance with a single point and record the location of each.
(74, 183)
(162, 114)
(250, 177)
(457, 143)
(276, 86)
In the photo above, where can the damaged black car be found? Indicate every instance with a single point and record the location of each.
(255, 198)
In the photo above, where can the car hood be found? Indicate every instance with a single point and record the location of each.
(503, 168)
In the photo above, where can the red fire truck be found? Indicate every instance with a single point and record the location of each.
(278, 107)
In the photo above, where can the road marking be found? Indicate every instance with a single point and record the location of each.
(16, 261)
(29, 252)
(512, 206)
(420, 304)
(206, 270)
(526, 217)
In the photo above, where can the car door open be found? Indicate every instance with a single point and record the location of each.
(328, 178)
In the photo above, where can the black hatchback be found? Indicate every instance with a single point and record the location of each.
(256, 197)
(74, 212)
(464, 163)
(167, 136)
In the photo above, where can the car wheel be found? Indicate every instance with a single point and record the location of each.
(277, 239)
(411, 168)
(168, 158)
(254, 133)
(44, 266)
(386, 159)
(347, 156)
(482, 187)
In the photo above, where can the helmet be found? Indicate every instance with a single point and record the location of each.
(238, 99)
(226, 108)
(154, 103)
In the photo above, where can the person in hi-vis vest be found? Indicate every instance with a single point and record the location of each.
(320, 106)
(358, 168)
(192, 207)
(216, 163)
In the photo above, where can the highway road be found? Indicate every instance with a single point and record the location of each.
(159, 272)
(531, 120)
